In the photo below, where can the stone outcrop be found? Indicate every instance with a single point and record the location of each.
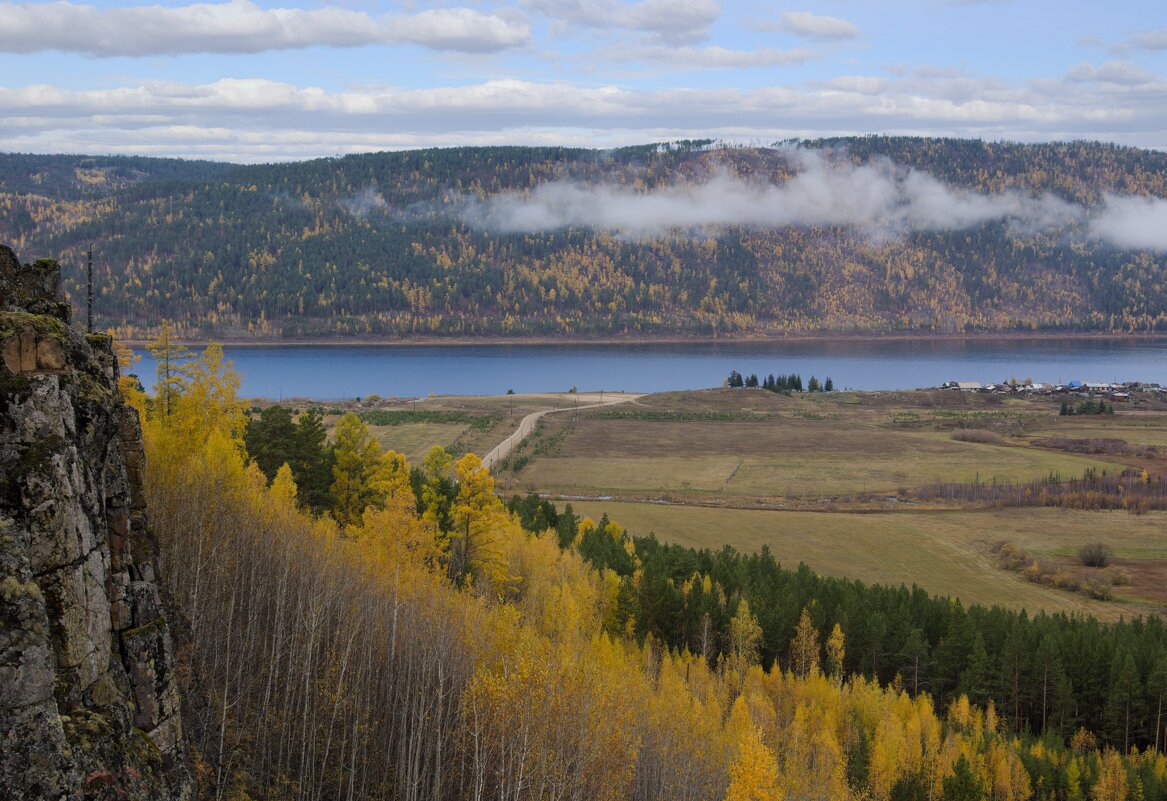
(89, 703)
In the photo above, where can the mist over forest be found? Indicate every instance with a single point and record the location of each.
(869, 234)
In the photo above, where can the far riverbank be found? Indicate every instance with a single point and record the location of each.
(543, 341)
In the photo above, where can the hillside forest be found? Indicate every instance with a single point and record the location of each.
(387, 630)
(935, 236)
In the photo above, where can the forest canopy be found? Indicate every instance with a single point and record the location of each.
(853, 234)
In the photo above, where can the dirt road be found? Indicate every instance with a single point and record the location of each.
(527, 425)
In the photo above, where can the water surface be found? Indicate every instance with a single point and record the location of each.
(336, 372)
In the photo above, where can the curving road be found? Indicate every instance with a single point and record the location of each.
(527, 425)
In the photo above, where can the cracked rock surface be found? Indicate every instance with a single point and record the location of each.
(89, 704)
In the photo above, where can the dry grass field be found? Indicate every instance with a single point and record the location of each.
(1133, 431)
(775, 459)
(946, 553)
(415, 439)
(752, 468)
(742, 444)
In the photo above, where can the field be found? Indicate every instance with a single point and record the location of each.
(830, 480)
(785, 458)
(474, 424)
(751, 448)
(946, 553)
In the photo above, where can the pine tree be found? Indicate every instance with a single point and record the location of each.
(313, 461)
(1157, 687)
(963, 784)
(1125, 692)
(271, 440)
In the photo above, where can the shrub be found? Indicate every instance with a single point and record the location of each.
(1099, 589)
(981, 435)
(1096, 554)
(1010, 556)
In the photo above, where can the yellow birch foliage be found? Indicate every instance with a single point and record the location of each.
(836, 652)
(745, 637)
(804, 648)
(1112, 782)
(754, 773)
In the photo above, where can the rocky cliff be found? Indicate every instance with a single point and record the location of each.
(89, 705)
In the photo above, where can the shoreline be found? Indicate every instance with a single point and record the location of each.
(666, 339)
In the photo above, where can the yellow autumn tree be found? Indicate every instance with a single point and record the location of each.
(745, 637)
(804, 648)
(753, 776)
(173, 368)
(478, 514)
(436, 469)
(1112, 784)
(836, 652)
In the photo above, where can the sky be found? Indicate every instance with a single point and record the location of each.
(254, 81)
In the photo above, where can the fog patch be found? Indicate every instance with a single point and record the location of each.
(879, 198)
(1135, 223)
(364, 203)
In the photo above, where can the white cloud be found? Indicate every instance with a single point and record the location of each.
(818, 26)
(878, 198)
(1116, 72)
(1151, 40)
(674, 22)
(240, 26)
(1133, 222)
(269, 119)
(715, 57)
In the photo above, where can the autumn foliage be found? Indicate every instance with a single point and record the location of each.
(384, 652)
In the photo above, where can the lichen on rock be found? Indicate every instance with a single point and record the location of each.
(89, 705)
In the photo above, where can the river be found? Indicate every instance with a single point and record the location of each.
(338, 372)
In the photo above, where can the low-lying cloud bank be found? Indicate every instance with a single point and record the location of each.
(879, 198)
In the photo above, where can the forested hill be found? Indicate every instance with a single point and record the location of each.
(862, 234)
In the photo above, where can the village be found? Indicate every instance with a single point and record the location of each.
(1122, 392)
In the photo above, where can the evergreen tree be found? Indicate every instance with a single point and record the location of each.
(963, 785)
(271, 440)
(313, 461)
(974, 681)
(1157, 688)
(1123, 699)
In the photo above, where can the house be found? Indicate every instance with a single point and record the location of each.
(963, 386)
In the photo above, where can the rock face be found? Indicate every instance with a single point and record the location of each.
(89, 704)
